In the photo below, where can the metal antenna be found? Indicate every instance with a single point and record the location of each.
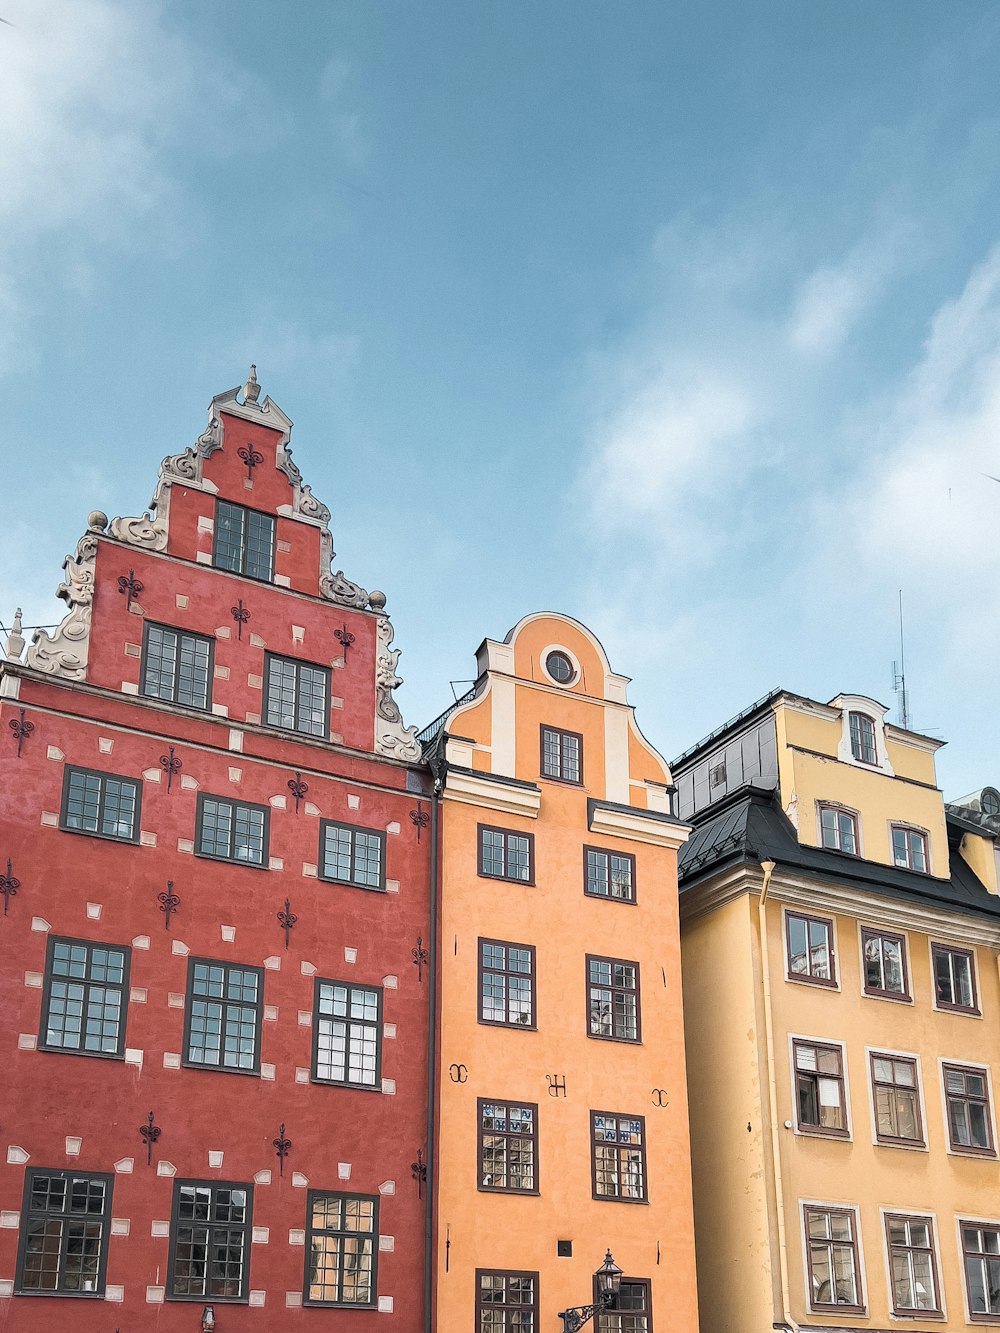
(899, 676)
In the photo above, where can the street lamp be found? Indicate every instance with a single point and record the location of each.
(609, 1281)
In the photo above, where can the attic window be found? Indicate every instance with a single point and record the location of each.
(863, 739)
(717, 775)
(990, 801)
(559, 667)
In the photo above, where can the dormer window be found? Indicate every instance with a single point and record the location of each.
(863, 739)
(244, 541)
(909, 848)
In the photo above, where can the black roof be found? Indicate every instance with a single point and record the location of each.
(751, 826)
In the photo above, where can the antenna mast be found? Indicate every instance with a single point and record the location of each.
(899, 676)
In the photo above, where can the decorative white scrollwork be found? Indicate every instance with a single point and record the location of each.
(391, 737)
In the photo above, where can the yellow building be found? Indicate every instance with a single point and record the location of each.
(840, 934)
(563, 1125)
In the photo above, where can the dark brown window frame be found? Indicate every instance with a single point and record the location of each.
(839, 810)
(247, 1229)
(353, 829)
(491, 1307)
(644, 1282)
(507, 833)
(562, 733)
(507, 1135)
(104, 776)
(807, 978)
(993, 1316)
(875, 932)
(298, 663)
(122, 987)
(595, 1143)
(63, 1173)
(609, 852)
(505, 972)
(859, 758)
(964, 1149)
(242, 571)
(373, 1199)
(909, 1311)
(833, 1306)
(265, 810)
(191, 634)
(921, 833)
(615, 990)
(894, 1140)
(950, 1005)
(821, 1131)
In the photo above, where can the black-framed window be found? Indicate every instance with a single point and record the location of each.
(863, 746)
(504, 854)
(296, 695)
(608, 874)
(210, 1241)
(954, 978)
(244, 541)
(618, 1156)
(507, 983)
(352, 855)
(967, 1097)
(65, 1220)
(105, 804)
(222, 1015)
(230, 830)
(341, 1249)
(85, 997)
(508, 1146)
(347, 1034)
(613, 999)
(506, 1301)
(177, 666)
(885, 964)
(633, 1312)
(981, 1256)
(561, 754)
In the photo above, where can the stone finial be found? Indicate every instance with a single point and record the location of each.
(97, 521)
(251, 390)
(376, 600)
(15, 639)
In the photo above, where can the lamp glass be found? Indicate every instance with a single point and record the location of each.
(609, 1277)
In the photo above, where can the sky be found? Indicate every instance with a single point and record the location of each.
(682, 319)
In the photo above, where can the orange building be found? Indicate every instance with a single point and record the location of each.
(562, 1118)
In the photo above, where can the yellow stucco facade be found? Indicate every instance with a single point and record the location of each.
(544, 763)
(842, 1090)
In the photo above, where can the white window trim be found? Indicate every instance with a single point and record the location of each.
(967, 948)
(876, 1141)
(792, 910)
(863, 1272)
(881, 928)
(566, 652)
(793, 1037)
(943, 1060)
(886, 1211)
(990, 1321)
(822, 805)
(857, 703)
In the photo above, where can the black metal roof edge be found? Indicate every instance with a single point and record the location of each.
(720, 731)
(971, 821)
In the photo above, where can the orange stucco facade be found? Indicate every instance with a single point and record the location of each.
(552, 1056)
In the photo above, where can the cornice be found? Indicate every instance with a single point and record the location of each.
(609, 820)
(468, 787)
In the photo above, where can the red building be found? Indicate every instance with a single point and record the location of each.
(214, 863)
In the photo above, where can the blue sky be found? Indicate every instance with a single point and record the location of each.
(681, 318)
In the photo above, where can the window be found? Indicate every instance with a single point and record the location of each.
(63, 1248)
(177, 666)
(609, 874)
(559, 667)
(839, 829)
(347, 1034)
(954, 978)
(506, 855)
(633, 1312)
(86, 989)
(507, 983)
(967, 1096)
(350, 855)
(819, 1088)
(912, 1264)
(244, 541)
(981, 1253)
(296, 695)
(232, 830)
(562, 755)
(897, 1099)
(909, 849)
(613, 998)
(832, 1250)
(223, 1015)
(810, 949)
(618, 1145)
(209, 1241)
(506, 1302)
(101, 803)
(863, 738)
(884, 964)
(508, 1152)
(341, 1249)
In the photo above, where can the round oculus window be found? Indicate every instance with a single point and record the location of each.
(990, 801)
(559, 667)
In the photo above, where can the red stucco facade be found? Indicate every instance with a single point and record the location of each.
(67, 1114)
